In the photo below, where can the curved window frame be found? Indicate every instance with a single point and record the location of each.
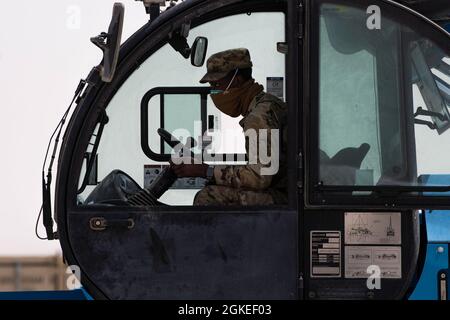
(160, 37)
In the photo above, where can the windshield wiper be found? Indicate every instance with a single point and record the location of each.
(46, 208)
(102, 121)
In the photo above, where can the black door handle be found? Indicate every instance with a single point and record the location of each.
(101, 224)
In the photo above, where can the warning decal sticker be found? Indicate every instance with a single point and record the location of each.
(275, 86)
(359, 258)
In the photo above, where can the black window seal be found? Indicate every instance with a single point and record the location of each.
(161, 157)
(161, 91)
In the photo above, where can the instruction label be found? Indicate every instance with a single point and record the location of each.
(325, 254)
(359, 258)
(373, 228)
(151, 172)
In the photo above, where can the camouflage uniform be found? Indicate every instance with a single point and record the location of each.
(245, 185)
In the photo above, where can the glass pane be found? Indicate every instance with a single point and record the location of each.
(182, 117)
(154, 123)
(347, 92)
(383, 101)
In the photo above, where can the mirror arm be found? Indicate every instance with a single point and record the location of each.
(180, 44)
(422, 112)
(109, 43)
(430, 124)
(101, 41)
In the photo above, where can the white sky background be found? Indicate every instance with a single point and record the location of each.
(44, 52)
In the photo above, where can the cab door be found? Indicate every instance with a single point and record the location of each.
(174, 250)
(377, 127)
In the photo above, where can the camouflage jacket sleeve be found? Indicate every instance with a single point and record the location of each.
(256, 125)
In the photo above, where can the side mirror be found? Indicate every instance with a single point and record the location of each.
(198, 52)
(109, 43)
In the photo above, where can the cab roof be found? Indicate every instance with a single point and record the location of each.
(433, 9)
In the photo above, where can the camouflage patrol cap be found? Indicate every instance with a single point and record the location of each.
(219, 65)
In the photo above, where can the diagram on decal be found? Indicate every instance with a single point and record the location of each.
(359, 229)
(360, 256)
(387, 257)
(373, 228)
(390, 231)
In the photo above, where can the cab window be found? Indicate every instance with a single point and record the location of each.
(382, 98)
(164, 92)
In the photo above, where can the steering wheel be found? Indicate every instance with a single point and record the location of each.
(119, 188)
(173, 142)
(168, 138)
(165, 179)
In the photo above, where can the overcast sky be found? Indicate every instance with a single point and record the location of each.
(44, 51)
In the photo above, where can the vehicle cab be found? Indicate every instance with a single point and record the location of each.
(367, 88)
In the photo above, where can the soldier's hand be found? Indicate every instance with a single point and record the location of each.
(190, 170)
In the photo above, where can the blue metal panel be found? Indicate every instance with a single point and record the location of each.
(86, 294)
(46, 295)
(435, 180)
(427, 287)
(438, 222)
(438, 226)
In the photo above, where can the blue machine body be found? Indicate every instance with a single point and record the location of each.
(437, 254)
(79, 294)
